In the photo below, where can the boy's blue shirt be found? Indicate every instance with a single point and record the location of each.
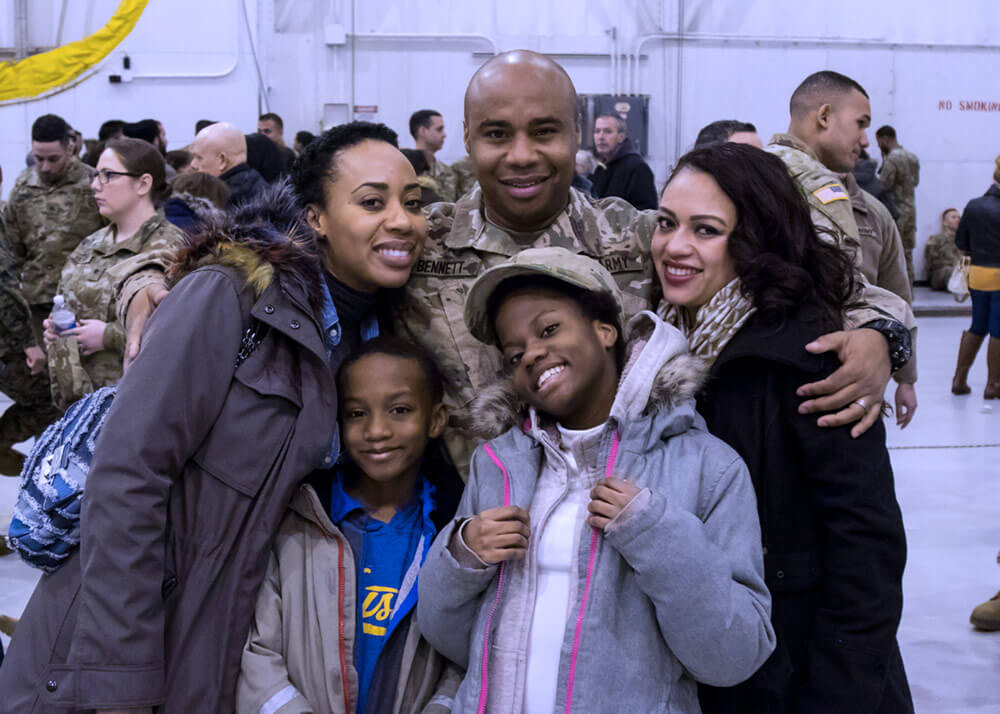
(383, 555)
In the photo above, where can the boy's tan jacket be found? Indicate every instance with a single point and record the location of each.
(299, 657)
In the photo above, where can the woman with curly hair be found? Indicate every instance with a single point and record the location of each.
(745, 276)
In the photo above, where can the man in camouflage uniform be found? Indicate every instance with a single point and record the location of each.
(829, 115)
(51, 209)
(900, 174)
(427, 129)
(883, 264)
(465, 172)
(32, 409)
(941, 255)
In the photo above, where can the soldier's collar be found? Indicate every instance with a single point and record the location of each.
(471, 229)
(793, 142)
(73, 174)
(858, 202)
(133, 244)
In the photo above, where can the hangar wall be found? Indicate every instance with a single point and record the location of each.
(930, 71)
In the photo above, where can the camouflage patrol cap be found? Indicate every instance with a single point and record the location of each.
(554, 263)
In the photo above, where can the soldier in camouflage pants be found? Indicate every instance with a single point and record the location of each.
(32, 409)
(900, 174)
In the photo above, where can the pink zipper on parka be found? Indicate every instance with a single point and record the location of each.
(591, 562)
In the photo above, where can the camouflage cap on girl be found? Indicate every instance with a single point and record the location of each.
(557, 263)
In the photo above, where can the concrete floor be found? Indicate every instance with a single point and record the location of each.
(947, 465)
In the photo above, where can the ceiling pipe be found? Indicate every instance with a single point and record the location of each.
(771, 41)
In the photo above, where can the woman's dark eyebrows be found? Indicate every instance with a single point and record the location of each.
(372, 184)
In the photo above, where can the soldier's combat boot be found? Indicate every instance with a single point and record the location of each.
(7, 625)
(993, 370)
(967, 350)
(11, 462)
(987, 616)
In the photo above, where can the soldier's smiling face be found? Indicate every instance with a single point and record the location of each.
(52, 159)
(520, 131)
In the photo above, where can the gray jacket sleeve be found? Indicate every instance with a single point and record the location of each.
(164, 407)
(704, 575)
(264, 684)
(449, 592)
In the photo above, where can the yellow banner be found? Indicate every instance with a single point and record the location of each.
(46, 71)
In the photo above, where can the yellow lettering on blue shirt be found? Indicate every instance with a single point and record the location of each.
(377, 604)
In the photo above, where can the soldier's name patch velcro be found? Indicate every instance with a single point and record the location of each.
(445, 268)
(830, 193)
(621, 263)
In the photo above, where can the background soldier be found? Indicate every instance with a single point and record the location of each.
(883, 264)
(427, 130)
(941, 255)
(51, 209)
(32, 409)
(465, 174)
(900, 174)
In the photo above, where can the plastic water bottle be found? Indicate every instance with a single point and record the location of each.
(62, 317)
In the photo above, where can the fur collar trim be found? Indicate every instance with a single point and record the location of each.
(266, 238)
(496, 409)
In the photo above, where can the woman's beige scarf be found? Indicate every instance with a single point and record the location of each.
(714, 324)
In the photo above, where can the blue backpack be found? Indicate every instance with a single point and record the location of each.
(45, 529)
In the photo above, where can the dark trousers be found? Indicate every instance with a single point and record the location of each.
(985, 313)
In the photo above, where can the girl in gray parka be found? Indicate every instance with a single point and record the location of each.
(606, 554)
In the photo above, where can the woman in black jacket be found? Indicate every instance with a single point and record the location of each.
(746, 277)
(978, 236)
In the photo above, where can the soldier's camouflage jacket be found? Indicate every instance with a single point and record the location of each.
(830, 207)
(462, 244)
(447, 181)
(900, 173)
(883, 262)
(465, 172)
(15, 326)
(89, 286)
(941, 255)
(45, 223)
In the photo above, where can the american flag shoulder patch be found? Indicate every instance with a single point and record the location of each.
(830, 193)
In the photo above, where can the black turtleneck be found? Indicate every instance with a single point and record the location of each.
(353, 308)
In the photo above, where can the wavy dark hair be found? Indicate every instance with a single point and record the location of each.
(780, 259)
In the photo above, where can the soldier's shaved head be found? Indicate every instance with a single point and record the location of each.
(830, 113)
(217, 148)
(821, 88)
(521, 133)
(521, 66)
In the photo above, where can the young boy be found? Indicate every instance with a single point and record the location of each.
(334, 628)
(607, 551)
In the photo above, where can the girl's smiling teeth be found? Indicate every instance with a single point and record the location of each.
(549, 374)
(680, 270)
(394, 252)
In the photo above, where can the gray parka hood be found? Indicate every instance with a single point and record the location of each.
(655, 393)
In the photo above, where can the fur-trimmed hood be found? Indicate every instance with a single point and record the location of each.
(266, 238)
(658, 385)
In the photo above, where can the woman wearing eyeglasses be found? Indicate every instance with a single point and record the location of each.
(129, 186)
